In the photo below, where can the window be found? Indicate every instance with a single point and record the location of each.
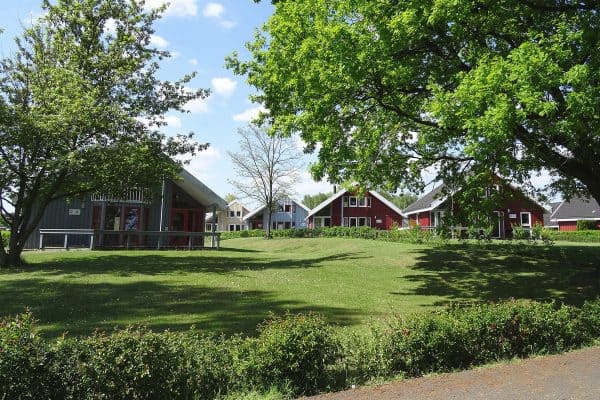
(232, 213)
(526, 219)
(354, 201)
(357, 221)
(320, 222)
(238, 213)
(287, 208)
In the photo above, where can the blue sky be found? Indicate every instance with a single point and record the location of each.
(199, 34)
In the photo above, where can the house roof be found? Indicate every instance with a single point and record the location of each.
(261, 208)
(547, 214)
(434, 198)
(427, 202)
(236, 201)
(199, 191)
(339, 194)
(576, 208)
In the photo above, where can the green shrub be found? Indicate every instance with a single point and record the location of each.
(5, 237)
(586, 225)
(574, 236)
(294, 353)
(242, 234)
(590, 314)
(25, 361)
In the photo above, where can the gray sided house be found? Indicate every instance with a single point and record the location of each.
(289, 214)
(174, 217)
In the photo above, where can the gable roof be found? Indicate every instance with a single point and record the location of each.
(261, 208)
(339, 194)
(427, 202)
(433, 199)
(236, 201)
(576, 208)
(199, 191)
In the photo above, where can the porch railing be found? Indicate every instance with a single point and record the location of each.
(134, 239)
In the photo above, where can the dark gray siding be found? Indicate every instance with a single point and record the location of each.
(57, 216)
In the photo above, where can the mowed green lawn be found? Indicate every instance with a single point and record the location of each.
(350, 281)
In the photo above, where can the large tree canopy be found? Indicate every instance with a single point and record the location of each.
(80, 105)
(387, 88)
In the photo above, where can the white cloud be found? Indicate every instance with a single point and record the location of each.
(176, 8)
(110, 27)
(223, 86)
(204, 163)
(249, 114)
(227, 24)
(308, 186)
(196, 106)
(171, 120)
(159, 41)
(193, 61)
(213, 10)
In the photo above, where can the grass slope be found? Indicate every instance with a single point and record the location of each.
(350, 281)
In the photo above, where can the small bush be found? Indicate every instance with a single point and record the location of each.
(293, 353)
(5, 237)
(585, 225)
(25, 361)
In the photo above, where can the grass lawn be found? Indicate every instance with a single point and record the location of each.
(350, 281)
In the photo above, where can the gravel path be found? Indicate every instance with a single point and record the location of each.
(574, 375)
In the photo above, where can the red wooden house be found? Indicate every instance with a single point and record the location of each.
(349, 209)
(566, 214)
(430, 210)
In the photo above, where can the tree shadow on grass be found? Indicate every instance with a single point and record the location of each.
(81, 308)
(569, 274)
(155, 263)
(69, 304)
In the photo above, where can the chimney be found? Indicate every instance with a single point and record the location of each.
(334, 189)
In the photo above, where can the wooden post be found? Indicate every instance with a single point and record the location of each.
(41, 241)
(214, 226)
(92, 241)
(66, 241)
(190, 242)
(102, 223)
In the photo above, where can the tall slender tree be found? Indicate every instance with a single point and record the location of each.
(268, 166)
(80, 108)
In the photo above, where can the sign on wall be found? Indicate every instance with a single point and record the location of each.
(74, 211)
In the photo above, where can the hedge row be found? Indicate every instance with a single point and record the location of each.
(364, 232)
(297, 354)
(411, 235)
(589, 236)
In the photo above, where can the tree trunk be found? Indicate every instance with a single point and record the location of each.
(268, 230)
(10, 258)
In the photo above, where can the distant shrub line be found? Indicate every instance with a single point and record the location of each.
(589, 236)
(297, 354)
(418, 235)
(411, 235)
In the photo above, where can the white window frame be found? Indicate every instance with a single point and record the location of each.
(352, 199)
(528, 225)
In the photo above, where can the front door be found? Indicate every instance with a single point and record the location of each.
(498, 222)
(185, 220)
